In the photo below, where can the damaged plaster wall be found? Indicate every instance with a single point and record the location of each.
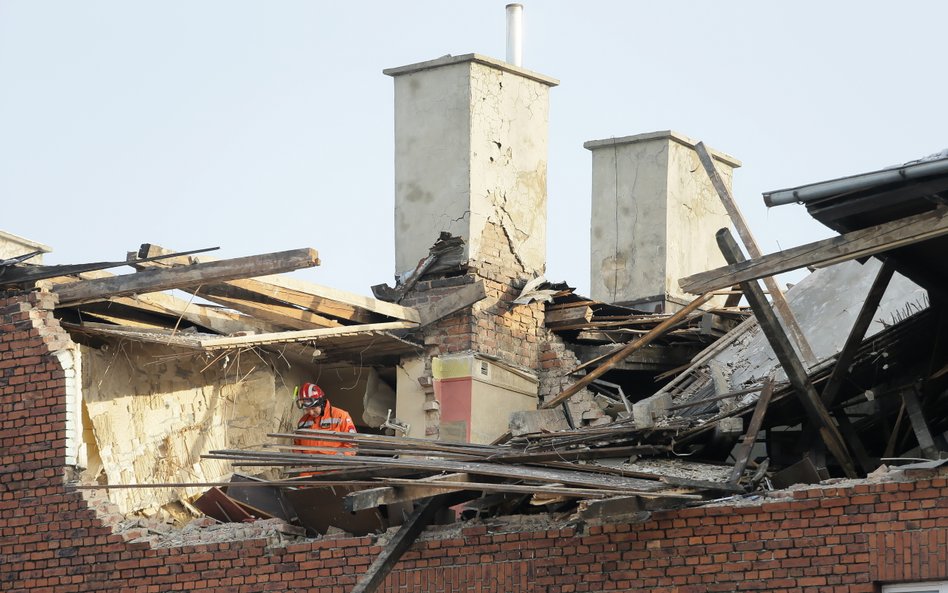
(470, 150)
(509, 131)
(155, 410)
(432, 167)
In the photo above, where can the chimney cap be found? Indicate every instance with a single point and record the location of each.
(662, 135)
(450, 60)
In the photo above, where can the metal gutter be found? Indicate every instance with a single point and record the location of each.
(816, 191)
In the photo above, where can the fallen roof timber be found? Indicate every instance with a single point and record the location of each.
(791, 364)
(624, 351)
(743, 230)
(31, 273)
(819, 254)
(320, 299)
(575, 477)
(280, 314)
(302, 335)
(183, 276)
(402, 540)
(213, 318)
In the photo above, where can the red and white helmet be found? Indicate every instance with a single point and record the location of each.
(310, 395)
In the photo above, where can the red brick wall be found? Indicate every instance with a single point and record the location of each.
(822, 539)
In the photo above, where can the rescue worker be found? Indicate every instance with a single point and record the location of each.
(321, 415)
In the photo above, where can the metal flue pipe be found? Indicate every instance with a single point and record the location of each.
(515, 34)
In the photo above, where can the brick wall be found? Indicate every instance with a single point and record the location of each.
(839, 539)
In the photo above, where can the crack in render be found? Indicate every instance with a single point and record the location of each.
(466, 214)
(504, 219)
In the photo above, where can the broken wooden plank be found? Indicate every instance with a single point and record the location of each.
(420, 488)
(213, 318)
(787, 357)
(400, 542)
(184, 276)
(284, 315)
(33, 273)
(743, 230)
(919, 425)
(574, 477)
(819, 254)
(734, 299)
(894, 434)
(302, 335)
(568, 317)
(317, 298)
(625, 350)
(743, 450)
(458, 300)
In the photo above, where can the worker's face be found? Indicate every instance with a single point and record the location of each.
(316, 410)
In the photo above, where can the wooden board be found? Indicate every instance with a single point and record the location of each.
(158, 280)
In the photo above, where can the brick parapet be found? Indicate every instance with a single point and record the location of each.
(845, 537)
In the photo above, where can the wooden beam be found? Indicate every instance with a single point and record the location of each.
(743, 230)
(894, 435)
(820, 254)
(400, 542)
(743, 451)
(371, 498)
(461, 298)
(158, 280)
(302, 335)
(320, 299)
(626, 350)
(787, 357)
(220, 321)
(734, 298)
(282, 315)
(570, 316)
(857, 333)
(215, 319)
(922, 433)
(33, 273)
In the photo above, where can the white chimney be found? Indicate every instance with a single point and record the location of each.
(470, 159)
(515, 34)
(654, 217)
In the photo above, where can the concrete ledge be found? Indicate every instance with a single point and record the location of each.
(450, 60)
(661, 135)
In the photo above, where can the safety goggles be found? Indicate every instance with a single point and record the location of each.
(308, 402)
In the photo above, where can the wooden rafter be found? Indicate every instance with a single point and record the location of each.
(820, 254)
(184, 276)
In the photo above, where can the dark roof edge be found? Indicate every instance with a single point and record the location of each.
(816, 191)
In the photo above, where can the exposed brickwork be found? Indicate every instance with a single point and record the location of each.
(822, 539)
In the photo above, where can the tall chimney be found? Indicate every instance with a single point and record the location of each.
(654, 218)
(515, 34)
(470, 159)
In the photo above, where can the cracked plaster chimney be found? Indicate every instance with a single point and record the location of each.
(654, 217)
(470, 158)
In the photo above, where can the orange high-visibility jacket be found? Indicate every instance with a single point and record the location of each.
(333, 418)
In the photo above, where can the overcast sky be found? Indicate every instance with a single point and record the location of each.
(265, 126)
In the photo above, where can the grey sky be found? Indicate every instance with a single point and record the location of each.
(264, 126)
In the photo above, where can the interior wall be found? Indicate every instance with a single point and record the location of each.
(155, 411)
